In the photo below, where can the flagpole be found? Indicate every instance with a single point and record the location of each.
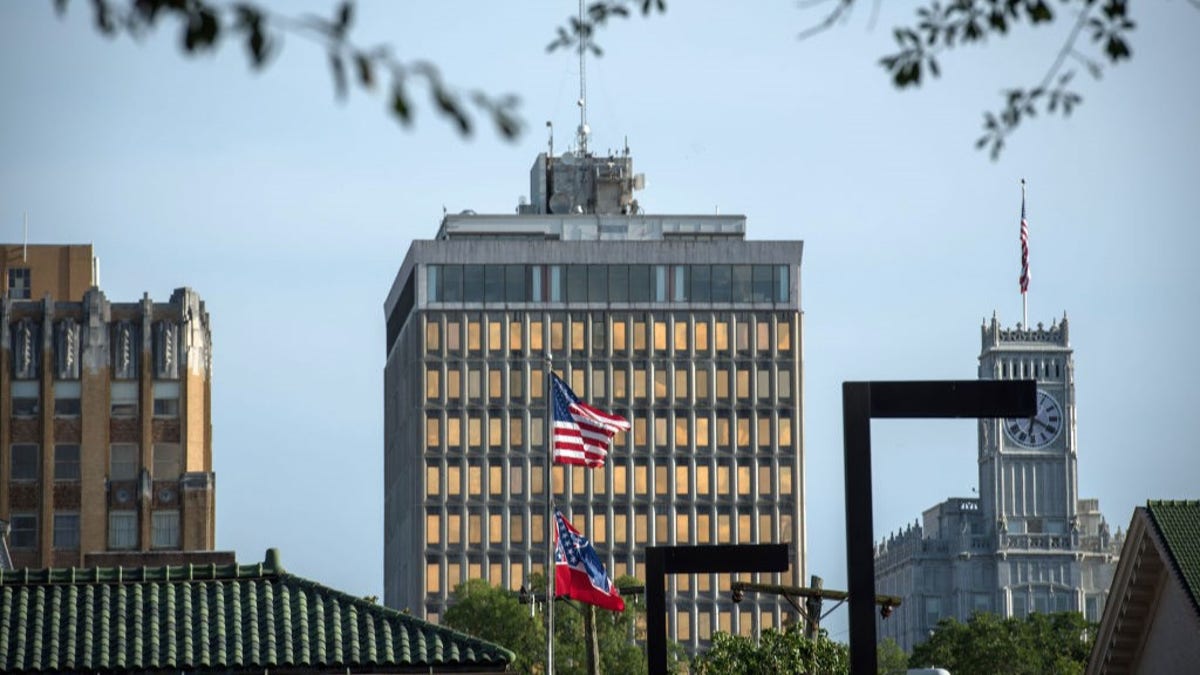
(550, 524)
(1024, 261)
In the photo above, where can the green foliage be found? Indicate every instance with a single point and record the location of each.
(891, 658)
(493, 614)
(775, 653)
(496, 615)
(1050, 644)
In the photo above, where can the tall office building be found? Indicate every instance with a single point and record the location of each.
(1028, 542)
(676, 322)
(105, 439)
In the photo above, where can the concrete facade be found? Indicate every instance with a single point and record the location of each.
(106, 440)
(676, 322)
(1028, 543)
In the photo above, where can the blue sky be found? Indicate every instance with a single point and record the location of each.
(290, 214)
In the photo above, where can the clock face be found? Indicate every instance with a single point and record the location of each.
(1041, 429)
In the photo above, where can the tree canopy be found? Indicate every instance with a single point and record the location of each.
(1051, 644)
(775, 652)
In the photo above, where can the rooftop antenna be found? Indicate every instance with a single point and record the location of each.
(550, 126)
(584, 36)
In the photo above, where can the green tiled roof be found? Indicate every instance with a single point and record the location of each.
(215, 617)
(1179, 523)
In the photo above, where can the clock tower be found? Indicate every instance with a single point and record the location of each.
(1028, 480)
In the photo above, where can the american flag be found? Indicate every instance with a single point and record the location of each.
(582, 434)
(1024, 246)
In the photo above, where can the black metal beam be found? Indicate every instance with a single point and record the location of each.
(725, 558)
(862, 401)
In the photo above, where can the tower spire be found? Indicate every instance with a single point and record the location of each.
(585, 35)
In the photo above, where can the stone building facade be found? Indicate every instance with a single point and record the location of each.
(105, 408)
(1028, 542)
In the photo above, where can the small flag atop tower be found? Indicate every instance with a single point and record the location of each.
(1024, 260)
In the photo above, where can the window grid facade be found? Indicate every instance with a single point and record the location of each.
(678, 477)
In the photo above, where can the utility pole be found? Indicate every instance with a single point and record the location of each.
(813, 600)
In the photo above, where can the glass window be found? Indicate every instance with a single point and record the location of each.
(702, 478)
(164, 529)
(577, 283)
(556, 283)
(433, 578)
(660, 384)
(495, 528)
(660, 430)
(453, 337)
(701, 385)
(660, 283)
(785, 480)
(701, 336)
(452, 283)
(764, 480)
(599, 344)
(122, 529)
(785, 431)
(66, 461)
(619, 391)
(495, 432)
(618, 283)
(433, 481)
(123, 461)
(23, 532)
(535, 336)
(681, 335)
(514, 283)
(556, 336)
(474, 384)
(516, 530)
(660, 336)
(681, 430)
(66, 398)
(782, 286)
(516, 437)
(620, 528)
(454, 528)
(639, 432)
(743, 336)
(453, 384)
(618, 336)
(682, 486)
(168, 461)
(474, 431)
(640, 479)
(722, 283)
(784, 383)
(783, 336)
(701, 432)
(679, 283)
(762, 286)
(495, 335)
(639, 384)
(124, 399)
(25, 397)
(640, 528)
(721, 336)
(495, 384)
(433, 384)
(723, 431)
(639, 336)
(473, 282)
(474, 339)
(578, 328)
(514, 335)
(432, 432)
(682, 528)
(536, 283)
(639, 283)
(741, 283)
(66, 531)
(763, 337)
(660, 480)
(763, 385)
(433, 529)
(433, 334)
(166, 399)
(25, 462)
(474, 528)
(597, 392)
(701, 283)
(597, 283)
(620, 479)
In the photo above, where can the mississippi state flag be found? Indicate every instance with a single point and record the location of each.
(582, 434)
(578, 572)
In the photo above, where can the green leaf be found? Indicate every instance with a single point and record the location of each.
(365, 75)
(400, 105)
(338, 67)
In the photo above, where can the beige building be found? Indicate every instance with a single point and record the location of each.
(105, 432)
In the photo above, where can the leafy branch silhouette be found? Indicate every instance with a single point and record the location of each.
(203, 24)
